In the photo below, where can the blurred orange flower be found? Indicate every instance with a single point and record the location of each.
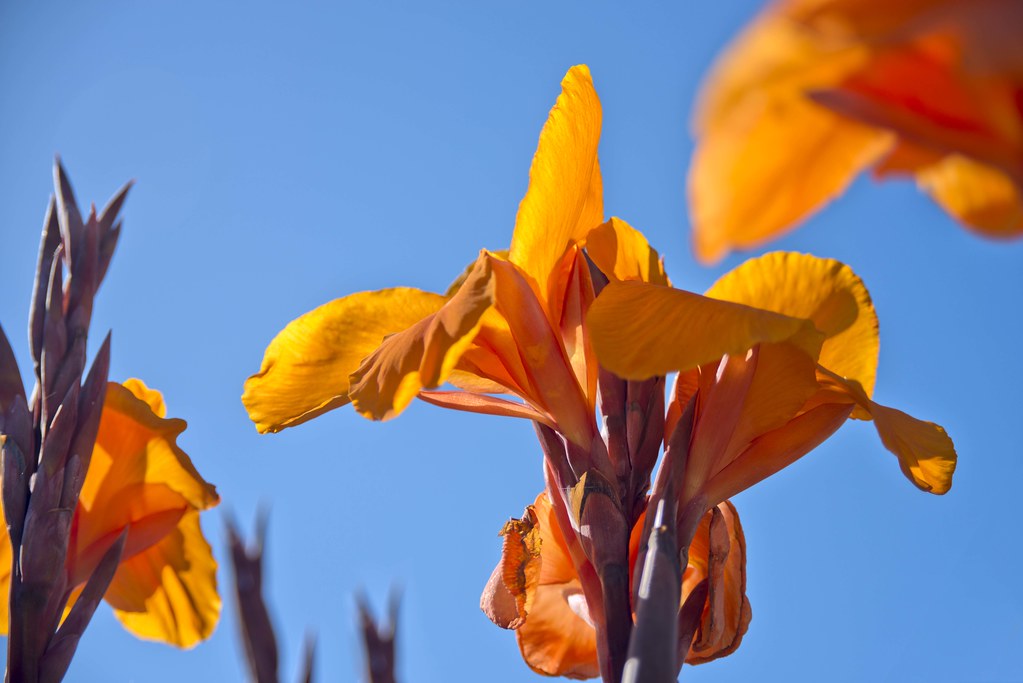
(165, 587)
(816, 91)
(536, 591)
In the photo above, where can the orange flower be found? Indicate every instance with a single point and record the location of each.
(816, 91)
(138, 479)
(536, 591)
(764, 405)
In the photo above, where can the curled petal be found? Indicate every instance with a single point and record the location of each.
(137, 446)
(641, 330)
(718, 553)
(424, 355)
(982, 197)
(169, 592)
(926, 454)
(556, 640)
(565, 196)
(622, 253)
(824, 291)
(306, 367)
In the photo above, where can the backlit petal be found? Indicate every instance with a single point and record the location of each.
(980, 196)
(926, 454)
(136, 446)
(306, 367)
(766, 156)
(622, 253)
(824, 291)
(777, 449)
(564, 200)
(424, 355)
(169, 592)
(641, 330)
(921, 93)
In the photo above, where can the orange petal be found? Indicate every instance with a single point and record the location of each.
(921, 93)
(926, 454)
(822, 290)
(767, 157)
(169, 592)
(424, 355)
(783, 381)
(565, 196)
(720, 549)
(622, 253)
(487, 405)
(553, 378)
(306, 367)
(134, 445)
(556, 640)
(641, 330)
(980, 196)
(776, 450)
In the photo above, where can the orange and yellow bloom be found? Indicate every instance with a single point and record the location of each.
(816, 91)
(139, 480)
(578, 318)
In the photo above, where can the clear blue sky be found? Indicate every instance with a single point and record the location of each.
(287, 154)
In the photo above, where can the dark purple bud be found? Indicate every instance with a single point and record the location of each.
(64, 643)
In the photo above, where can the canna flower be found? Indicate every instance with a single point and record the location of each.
(536, 591)
(799, 349)
(761, 406)
(140, 481)
(816, 91)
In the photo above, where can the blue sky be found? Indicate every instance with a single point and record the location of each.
(286, 155)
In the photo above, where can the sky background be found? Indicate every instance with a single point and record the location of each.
(289, 154)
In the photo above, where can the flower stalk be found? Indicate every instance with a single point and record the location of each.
(48, 438)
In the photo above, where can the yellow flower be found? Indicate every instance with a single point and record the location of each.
(511, 324)
(777, 393)
(816, 91)
(165, 587)
(535, 589)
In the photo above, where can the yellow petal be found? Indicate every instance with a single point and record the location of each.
(564, 200)
(169, 592)
(641, 330)
(306, 367)
(622, 253)
(824, 291)
(926, 454)
(980, 196)
(767, 157)
(425, 354)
